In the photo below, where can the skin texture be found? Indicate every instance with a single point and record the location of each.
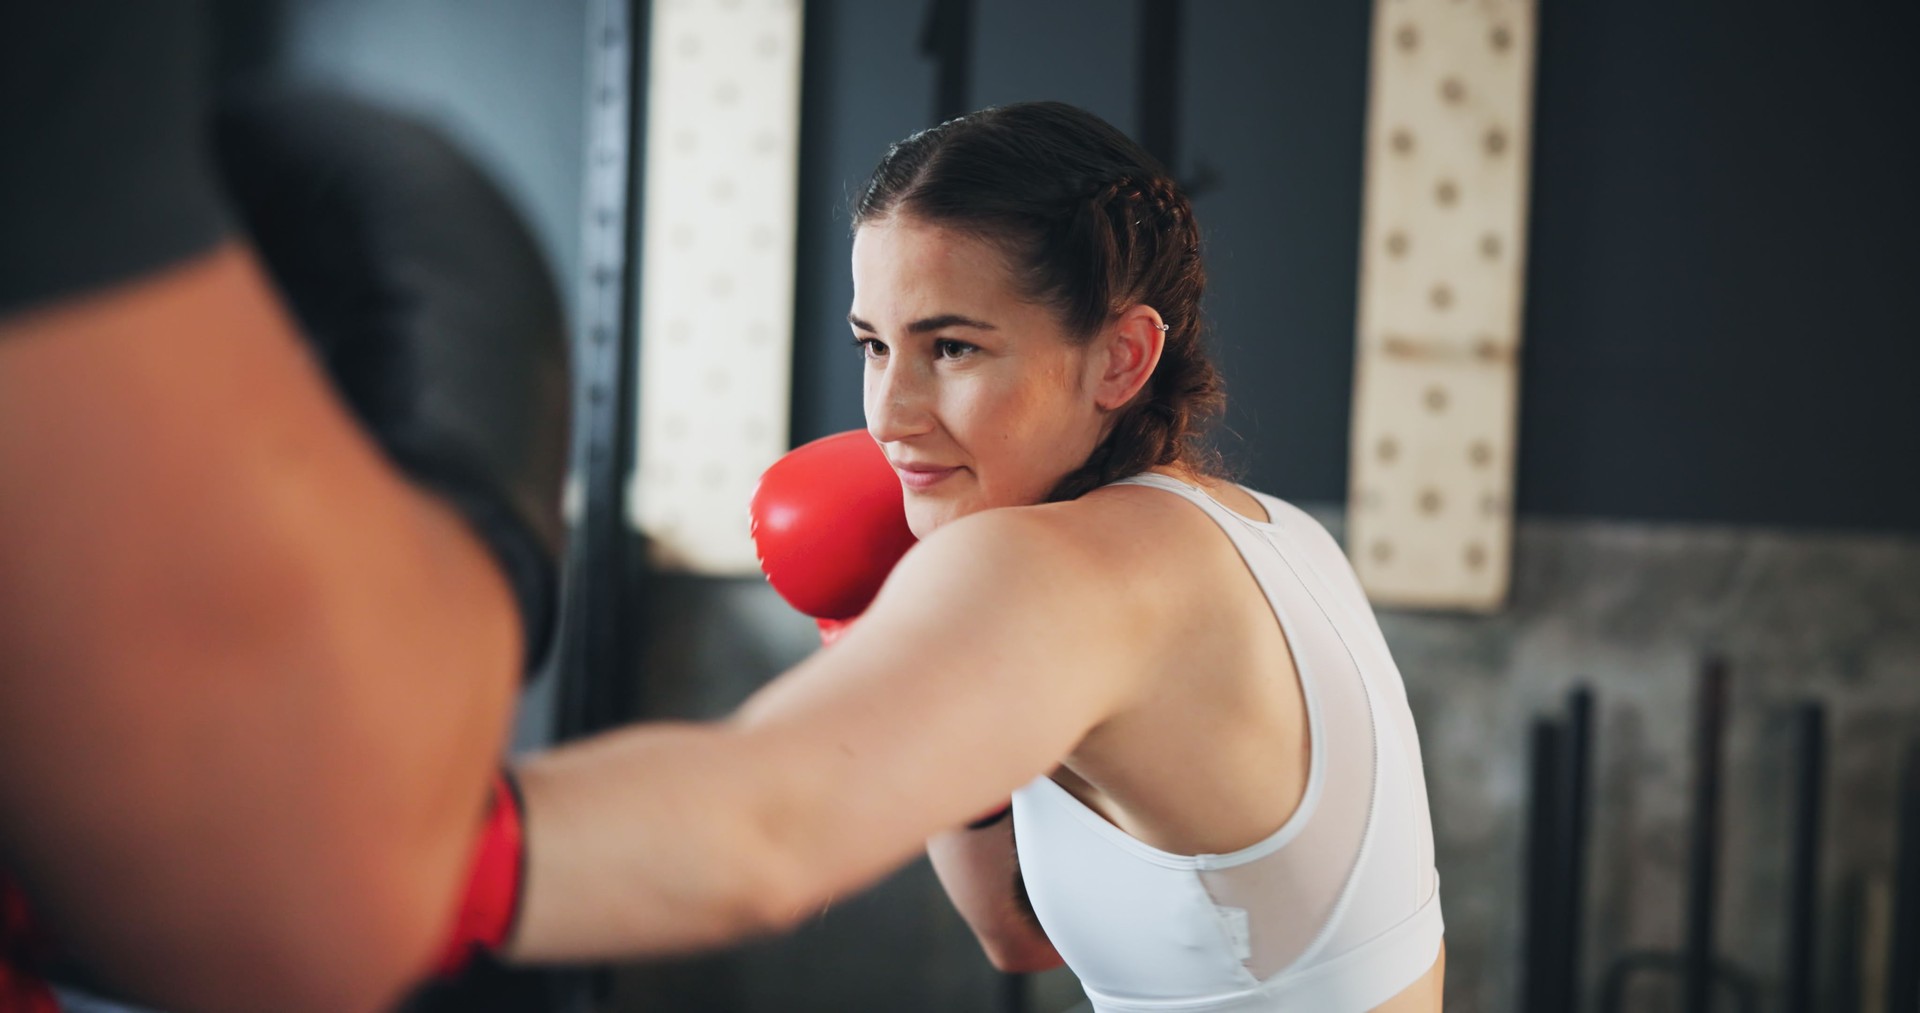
(256, 682)
(1116, 641)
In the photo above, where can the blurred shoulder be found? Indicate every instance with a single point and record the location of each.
(1014, 537)
(1108, 535)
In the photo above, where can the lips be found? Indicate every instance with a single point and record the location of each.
(921, 477)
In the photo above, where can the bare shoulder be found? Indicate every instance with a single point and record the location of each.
(1012, 551)
(1120, 550)
(1150, 524)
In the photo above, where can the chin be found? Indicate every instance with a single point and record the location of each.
(924, 519)
(927, 514)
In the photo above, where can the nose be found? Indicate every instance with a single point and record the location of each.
(898, 400)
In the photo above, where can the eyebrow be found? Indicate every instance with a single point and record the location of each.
(939, 323)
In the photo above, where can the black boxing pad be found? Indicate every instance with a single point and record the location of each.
(425, 297)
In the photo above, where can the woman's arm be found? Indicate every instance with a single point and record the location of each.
(994, 647)
(980, 871)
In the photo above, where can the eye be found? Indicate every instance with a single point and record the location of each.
(870, 348)
(948, 348)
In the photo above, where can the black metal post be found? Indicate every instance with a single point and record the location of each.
(1703, 857)
(1575, 817)
(1545, 925)
(1903, 949)
(594, 662)
(595, 659)
(1012, 994)
(1158, 78)
(947, 36)
(1803, 899)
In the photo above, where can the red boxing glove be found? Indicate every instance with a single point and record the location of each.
(492, 898)
(829, 522)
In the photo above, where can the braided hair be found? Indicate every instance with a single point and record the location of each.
(1091, 225)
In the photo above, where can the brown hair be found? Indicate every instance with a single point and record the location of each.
(1091, 225)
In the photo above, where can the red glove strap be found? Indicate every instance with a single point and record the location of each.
(23, 992)
(23, 946)
(832, 629)
(493, 883)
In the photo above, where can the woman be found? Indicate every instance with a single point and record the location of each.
(1215, 810)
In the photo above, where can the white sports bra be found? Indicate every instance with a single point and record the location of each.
(1339, 909)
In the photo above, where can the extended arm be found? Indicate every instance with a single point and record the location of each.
(993, 649)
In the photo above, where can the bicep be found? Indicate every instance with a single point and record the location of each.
(988, 656)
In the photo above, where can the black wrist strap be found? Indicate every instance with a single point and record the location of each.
(992, 818)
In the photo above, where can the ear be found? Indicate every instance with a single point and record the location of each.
(1130, 349)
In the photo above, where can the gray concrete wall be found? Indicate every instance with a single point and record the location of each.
(1626, 608)
(1630, 609)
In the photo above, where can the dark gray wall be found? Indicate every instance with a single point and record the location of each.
(1274, 109)
(1721, 241)
(1723, 232)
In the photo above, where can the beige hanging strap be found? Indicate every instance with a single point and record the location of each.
(1430, 520)
(717, 274)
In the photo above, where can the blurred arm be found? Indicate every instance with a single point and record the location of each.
(255, 682)
(979, 869)
(993, 648)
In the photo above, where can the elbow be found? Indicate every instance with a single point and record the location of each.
(1028, 955)
(1016, 944)
(214, 918)
(783, 863)
(377, 943)
(381, 941)
(775, 901)
(776, 882)
(347, 935)
(255, 966)
(350, 977)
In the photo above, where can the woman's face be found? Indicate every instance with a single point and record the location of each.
(976, 395)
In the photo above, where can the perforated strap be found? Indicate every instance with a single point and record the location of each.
(24, 946)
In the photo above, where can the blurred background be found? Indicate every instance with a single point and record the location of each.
(1716, 458)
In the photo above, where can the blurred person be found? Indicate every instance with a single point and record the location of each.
(282, 431)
